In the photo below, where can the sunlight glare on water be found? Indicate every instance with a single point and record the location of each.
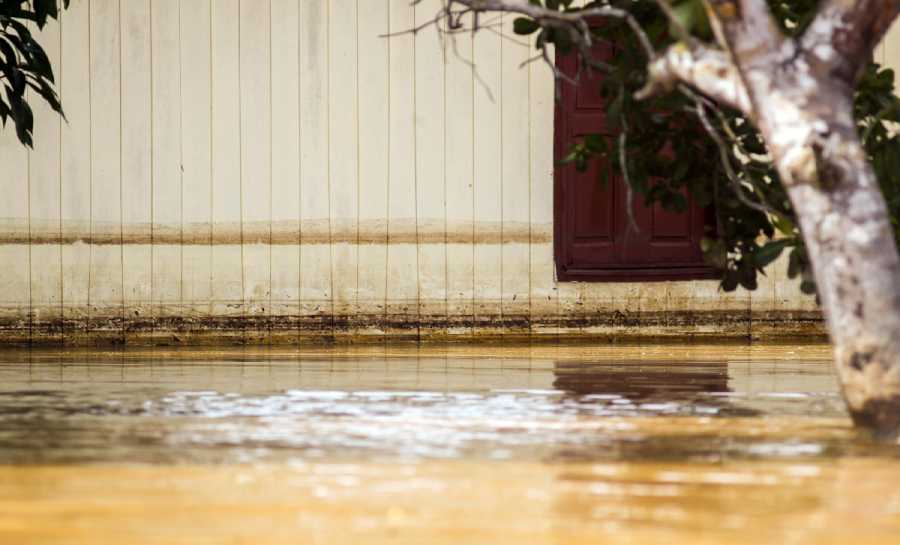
(555, 444)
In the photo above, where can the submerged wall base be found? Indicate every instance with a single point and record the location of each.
(362, 328)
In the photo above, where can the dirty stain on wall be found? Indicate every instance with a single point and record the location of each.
(277, 171)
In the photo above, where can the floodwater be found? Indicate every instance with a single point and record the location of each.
(568, 445)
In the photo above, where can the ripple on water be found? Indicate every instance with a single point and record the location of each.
(700, 446)
(425, 409)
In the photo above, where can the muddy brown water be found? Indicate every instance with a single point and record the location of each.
(691, 444)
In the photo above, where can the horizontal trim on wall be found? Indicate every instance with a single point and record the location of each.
(406, 231)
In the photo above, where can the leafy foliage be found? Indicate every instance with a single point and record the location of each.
(668, 151)
(24, 64)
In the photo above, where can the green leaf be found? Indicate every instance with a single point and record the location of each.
(570, 157)
(692, 16)
(603, 176)
(771, 251)
(524, 26)
(795, 263)
(562, 40)
(679, 203)
(581, 163)
(808, 287)
(784, 225)
(614, 110)
(748, 278)
(595, 143)
(5, 112)
(714, 253)
(681, 170)
(42, 10)
(730, 281)
(40, 64)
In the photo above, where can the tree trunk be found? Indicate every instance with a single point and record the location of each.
(850, 242)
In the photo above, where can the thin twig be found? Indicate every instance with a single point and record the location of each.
(723, 123)
(629, 190)
(572, 21)
(416, 29)
(474, 67)
(725, 155)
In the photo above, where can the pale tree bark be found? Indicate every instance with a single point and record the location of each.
(799, 93)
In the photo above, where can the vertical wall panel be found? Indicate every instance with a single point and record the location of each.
(543, 298)
(570, 307)
(402, 281)
(430, 186)
(343, 153)
(765, 299)
(374, 98)
(256, 158)
(762, 299)
(516, 160)
(890, 48)
(106, 202)
(459, 178)
(136, 162)
(487, 178)
(75, 179)
(285, 38)
(196, 142)
(227, 267)
(44, 203)
(15, 300)
(165, 22)
(315, 253)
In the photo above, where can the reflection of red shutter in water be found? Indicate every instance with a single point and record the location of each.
(592, 239)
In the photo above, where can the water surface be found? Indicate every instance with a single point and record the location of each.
(563, 444)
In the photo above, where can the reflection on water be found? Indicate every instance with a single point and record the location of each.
(409, 408)
(528, 445)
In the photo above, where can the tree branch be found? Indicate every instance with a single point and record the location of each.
(758, 49)
(747, 28)
(574, 20)
(629, 189)
(709, 71)
(844, 34)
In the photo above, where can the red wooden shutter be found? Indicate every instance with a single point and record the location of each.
(592, 238)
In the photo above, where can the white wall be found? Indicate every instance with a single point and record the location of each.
(276, 169)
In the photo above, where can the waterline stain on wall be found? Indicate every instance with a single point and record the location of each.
(609, 311)
(403, 231)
